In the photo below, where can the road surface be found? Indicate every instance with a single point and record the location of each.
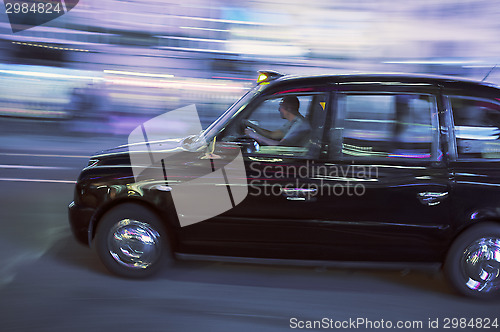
(48, 282)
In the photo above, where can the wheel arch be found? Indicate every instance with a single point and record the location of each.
(467, 228)
(455, 272)
(166, 221)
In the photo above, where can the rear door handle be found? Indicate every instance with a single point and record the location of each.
(295, 198)
(430, 198)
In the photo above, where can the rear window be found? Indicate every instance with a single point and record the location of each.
(388, 125)
(477, 127)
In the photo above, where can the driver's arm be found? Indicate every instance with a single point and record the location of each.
(277, 134)
(260, 138)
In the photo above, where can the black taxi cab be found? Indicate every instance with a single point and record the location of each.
(367, 168)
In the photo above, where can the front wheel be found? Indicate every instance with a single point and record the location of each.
(473, 262)
(131, 241)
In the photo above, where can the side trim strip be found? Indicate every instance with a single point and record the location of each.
(313, 263)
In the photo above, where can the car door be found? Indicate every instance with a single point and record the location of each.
(385, 185)
(273, 221)
(476, 154)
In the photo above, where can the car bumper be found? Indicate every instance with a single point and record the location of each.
(79, 220)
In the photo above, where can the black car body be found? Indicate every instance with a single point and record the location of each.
(396, 169)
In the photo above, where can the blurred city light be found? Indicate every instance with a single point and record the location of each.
(107, 65)
(84, 81)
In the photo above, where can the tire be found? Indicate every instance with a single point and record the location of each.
(131, 241)
(472, 264)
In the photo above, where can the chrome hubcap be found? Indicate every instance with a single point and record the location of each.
(134, 244)
(481, 265)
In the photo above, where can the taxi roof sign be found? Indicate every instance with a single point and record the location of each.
(267, 75)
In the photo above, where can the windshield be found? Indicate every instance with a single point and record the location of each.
(219, 124)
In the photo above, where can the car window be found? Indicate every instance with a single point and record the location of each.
(212, 130)
(477, 127)
(297, 134)
(387, 125)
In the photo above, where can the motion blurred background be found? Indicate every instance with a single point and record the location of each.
(108, 65)
(81, 82)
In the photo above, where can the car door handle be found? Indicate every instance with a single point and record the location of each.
(431, 198)
(296, 191)
(294, 198)
(300, 194)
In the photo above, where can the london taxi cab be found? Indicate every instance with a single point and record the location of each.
(392, 169)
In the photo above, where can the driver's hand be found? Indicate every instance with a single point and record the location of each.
(250, 133)
(248, 123)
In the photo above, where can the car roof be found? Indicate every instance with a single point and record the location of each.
(455, 81)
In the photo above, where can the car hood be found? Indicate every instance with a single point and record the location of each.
(123, 154)
(144, 147)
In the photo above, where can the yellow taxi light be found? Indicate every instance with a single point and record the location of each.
(261, 78)
(267, 76)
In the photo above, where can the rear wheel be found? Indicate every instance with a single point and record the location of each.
(131, 241)
(473, 262)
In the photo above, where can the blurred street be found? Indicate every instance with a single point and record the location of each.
(48, 282)
(80, 83)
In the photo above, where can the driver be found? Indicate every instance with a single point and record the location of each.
(293, 133)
